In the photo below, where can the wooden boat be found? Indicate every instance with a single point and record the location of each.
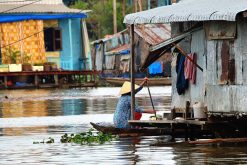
(151, 81)
(220, 140)
(127, 132)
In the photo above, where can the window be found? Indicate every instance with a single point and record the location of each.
(53, 39)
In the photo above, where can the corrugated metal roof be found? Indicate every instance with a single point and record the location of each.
(109, 37)
(119, 49)
(190, 10)
(44, 6)
(154, 33)
(54, 2)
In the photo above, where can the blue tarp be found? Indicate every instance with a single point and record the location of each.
(22, 17)
(155, 68)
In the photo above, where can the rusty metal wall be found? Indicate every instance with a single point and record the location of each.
(223, 84)
(229, 96)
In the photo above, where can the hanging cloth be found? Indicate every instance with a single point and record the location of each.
(182, 82)
(190, 68)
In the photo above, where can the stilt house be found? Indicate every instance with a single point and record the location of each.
(45, 31)
(216, 31)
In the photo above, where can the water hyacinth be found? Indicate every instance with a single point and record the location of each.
(83, 138)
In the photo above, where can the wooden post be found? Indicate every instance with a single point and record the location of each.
(5, 81)
(124, 8)
(173, 113)
(114, 16)
(149, 4)
(36, 80)
(56, 79)
(132, 71)
(187, 109)
(140, 5)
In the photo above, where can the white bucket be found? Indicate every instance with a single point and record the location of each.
(200, 111)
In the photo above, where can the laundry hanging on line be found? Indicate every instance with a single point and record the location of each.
(190, 68)
(182, 82)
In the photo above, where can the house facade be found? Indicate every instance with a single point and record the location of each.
(43, 31)
(220, 45)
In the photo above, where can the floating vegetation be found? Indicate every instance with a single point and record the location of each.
(83, 138)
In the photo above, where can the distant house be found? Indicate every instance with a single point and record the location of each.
(216, 32)
(45, 30)
(111, 54)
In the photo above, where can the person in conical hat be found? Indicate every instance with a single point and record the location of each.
(123, 109)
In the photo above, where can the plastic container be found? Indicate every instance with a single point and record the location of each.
(200, 110)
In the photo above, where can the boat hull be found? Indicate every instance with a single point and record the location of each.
(127, 132)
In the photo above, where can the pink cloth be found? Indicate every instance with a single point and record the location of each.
(190, 68)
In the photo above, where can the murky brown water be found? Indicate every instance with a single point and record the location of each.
(34, 115)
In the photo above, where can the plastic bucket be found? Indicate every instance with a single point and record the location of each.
(199, 111)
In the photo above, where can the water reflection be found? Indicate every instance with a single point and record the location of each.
(57, 106)
(34, 115)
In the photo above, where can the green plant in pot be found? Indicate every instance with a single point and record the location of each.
(48, 66)
(12, 55)
(26, 66)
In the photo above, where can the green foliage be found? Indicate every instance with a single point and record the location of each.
(83, 138)
(100, 21)
(26, 58)
(12, 55)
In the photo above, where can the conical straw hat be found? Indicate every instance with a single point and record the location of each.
(126, 88)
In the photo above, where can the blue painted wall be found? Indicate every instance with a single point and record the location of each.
(71, 44)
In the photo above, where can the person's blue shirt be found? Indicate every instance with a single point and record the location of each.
(123, 111)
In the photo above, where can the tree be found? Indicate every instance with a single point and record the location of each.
(100, 21)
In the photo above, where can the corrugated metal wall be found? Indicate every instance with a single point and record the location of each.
(196, 91)
(223, 84)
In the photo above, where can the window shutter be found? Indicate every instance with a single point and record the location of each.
(57, 36)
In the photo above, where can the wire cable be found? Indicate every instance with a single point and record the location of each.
(20, 6)
(32, 35)
(16, 1)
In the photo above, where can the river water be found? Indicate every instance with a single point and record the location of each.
(33, 115)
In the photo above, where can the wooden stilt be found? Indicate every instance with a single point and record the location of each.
(56, 79)
(187, 109)
(173, 114)
(132, 71)
(5, 81)
(36, 80)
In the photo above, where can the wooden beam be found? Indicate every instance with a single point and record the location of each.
(132, 71)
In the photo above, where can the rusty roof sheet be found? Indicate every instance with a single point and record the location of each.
(119, 49)
(190, 10)
(43, 6)
(154, 33)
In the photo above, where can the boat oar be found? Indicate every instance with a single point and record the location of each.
(151, 99)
